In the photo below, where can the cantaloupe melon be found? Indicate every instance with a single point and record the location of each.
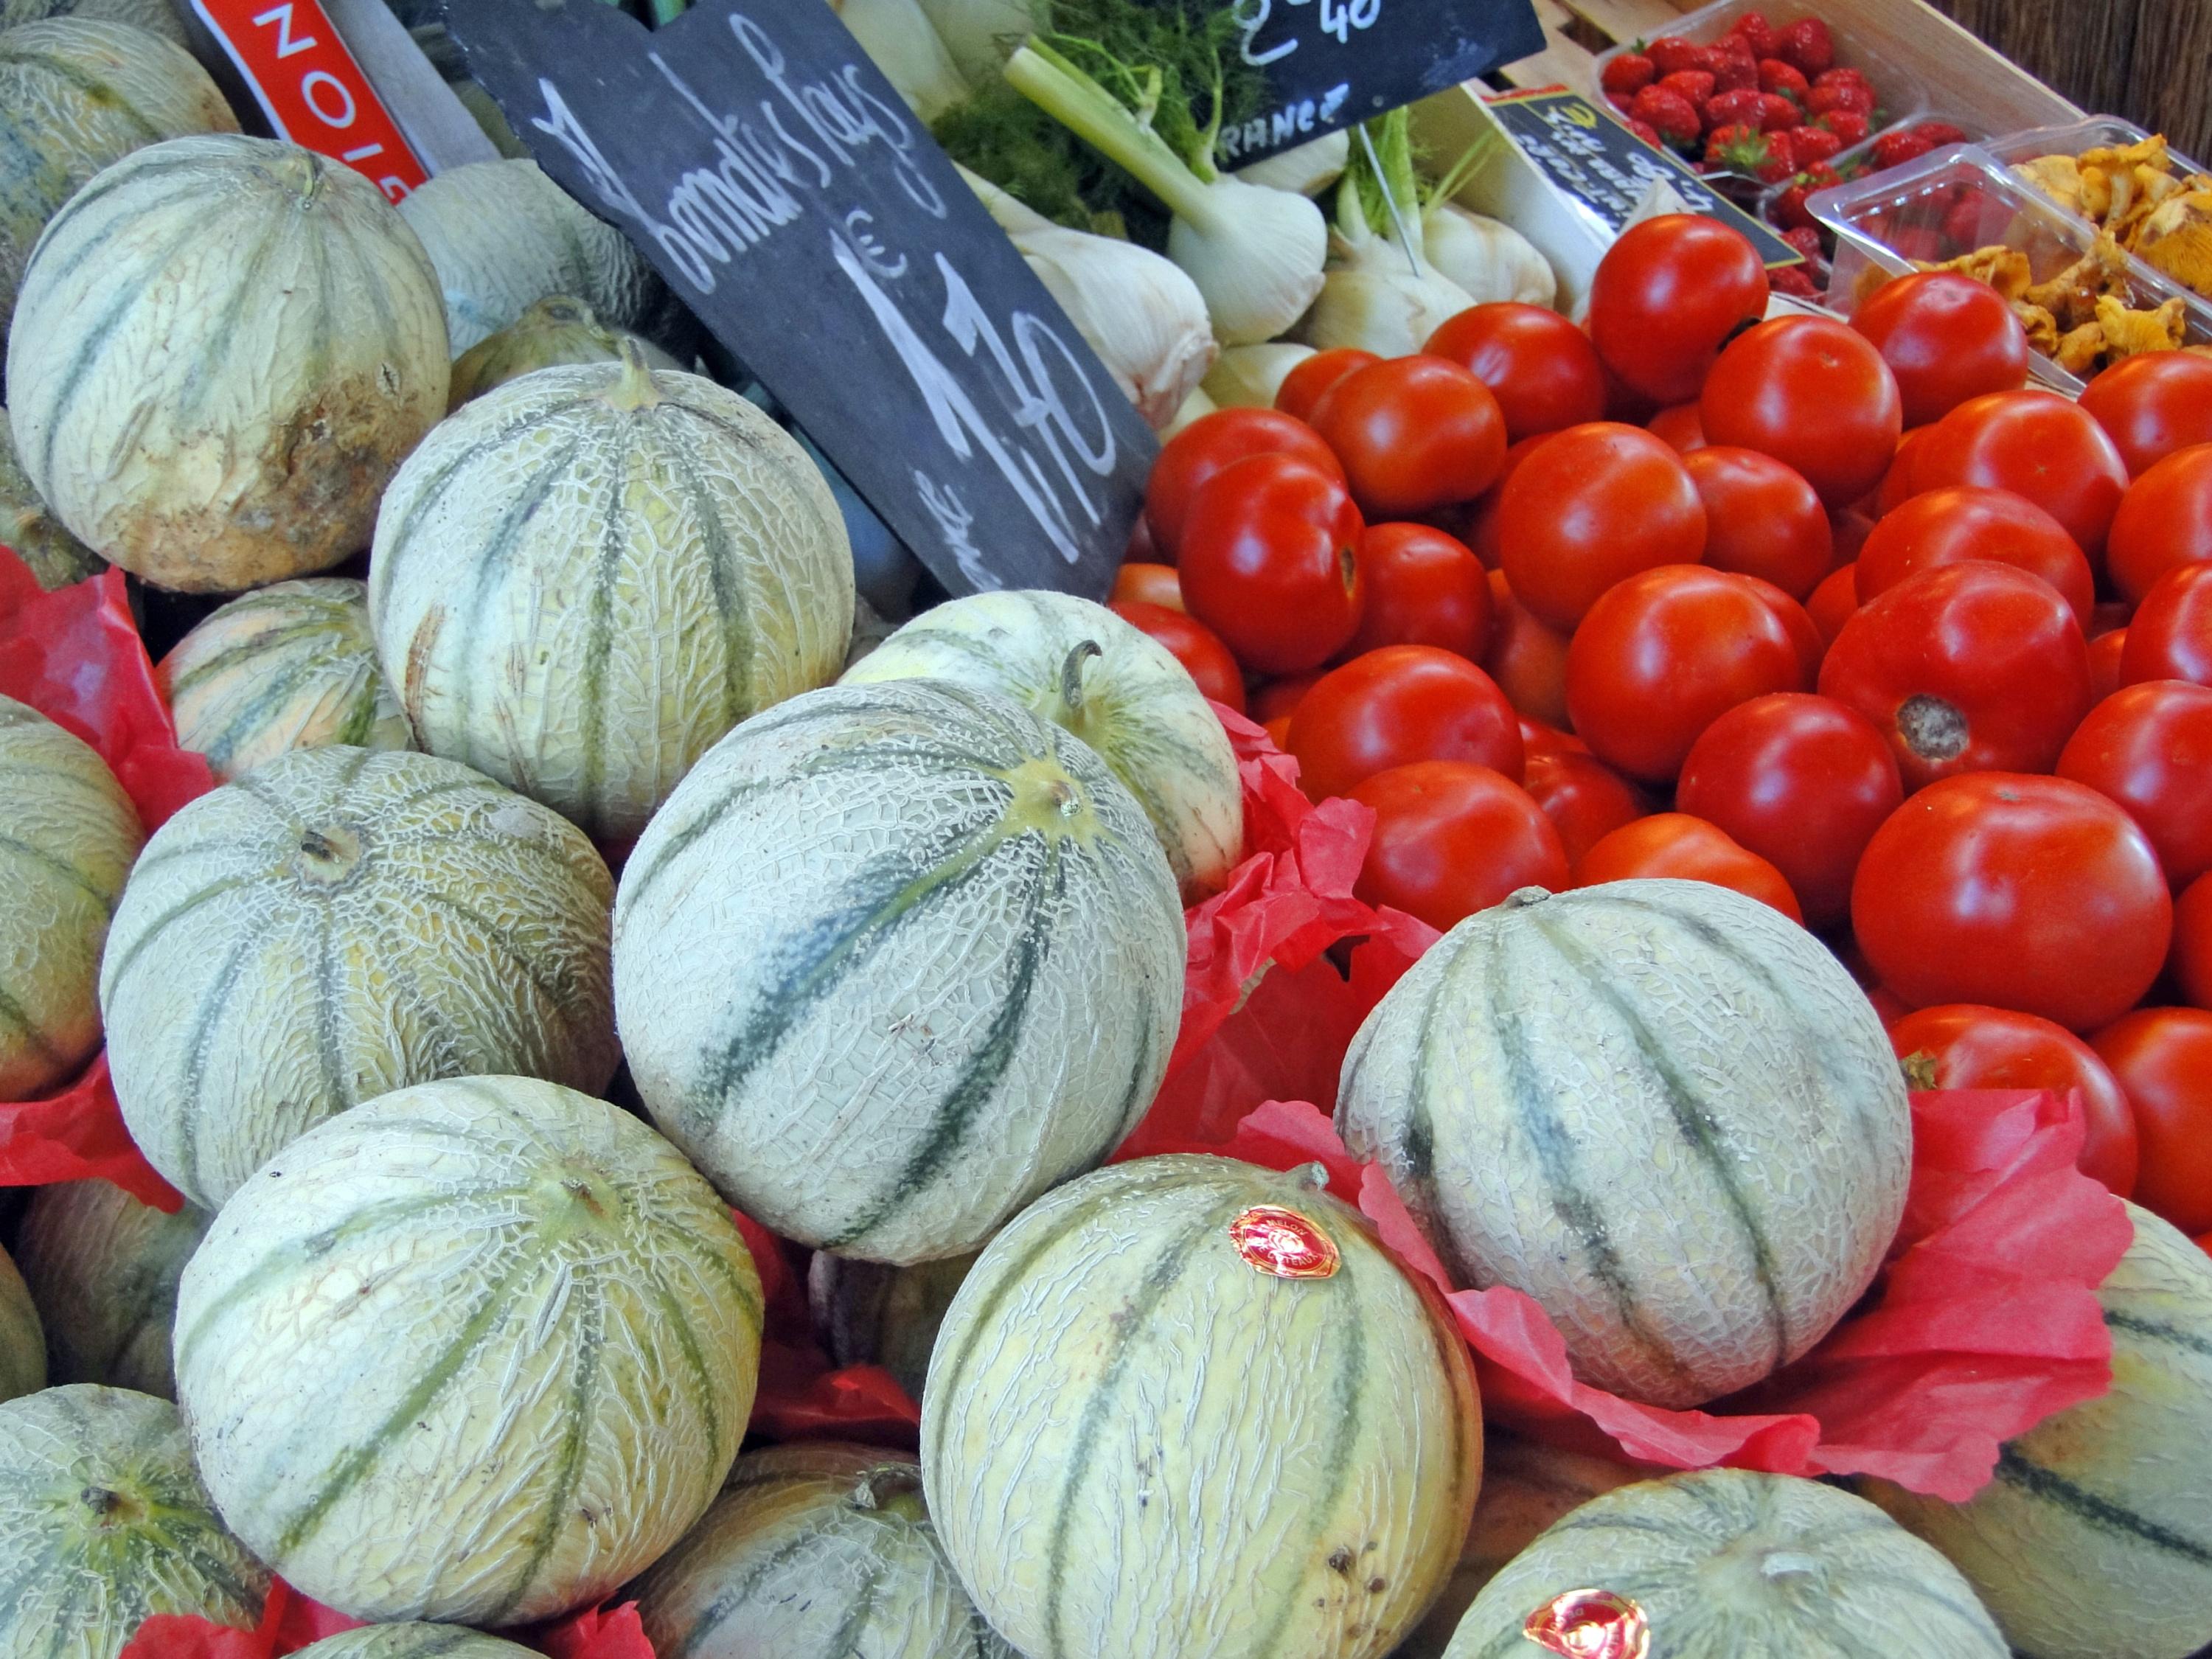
(1659, 1108)
(103, 1268)
(553, 333)
(414, 1640)
(293, 666)
(2093, 1542)
(894, 960)
(868, 1314)
(820, 1551)
(339, 923)
(68, 835)
(587, 576)
(222, 350)
(22, 1342)
(1726, 1564)
(104, 1523)
(1081, 666)
(55, 558)
(1184, 1406)
(478, 1350)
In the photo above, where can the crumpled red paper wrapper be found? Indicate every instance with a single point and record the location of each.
(1983, 1322)
(74, 655)
(290, 1621)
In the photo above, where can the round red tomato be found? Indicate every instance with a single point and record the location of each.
(1542, 368)
(1947, 338)
(1944, 527)
(1667, 295)
(1972, 667)
(1394, 706)
(2149, 748)
(1814, 395)
(1279, 732)
(1191, 643)
(1585, 799)
(1833, 602)
(1302, 388)
(2164, 521)
(1423, 589)
(1898, 484)
(1478, 518)
(1539, 739)
(1452, 838)
(1415, 433)
(1270, 562)
(1800, 781)
(2170, 635)
(1210, 443)
(1141, 549)
(1589, 506)
(1150, 584)
(1678, 425)
(1663, 655)
(1797, 622)
(2105, 653)
(1961, 1045)
(1527, 658)
(2021, 892)
(1277, 699)
(1761, 517)
(2153, 403)
(1677, 846)
(2036, 444)
(2190, 963)
(2163, 1059)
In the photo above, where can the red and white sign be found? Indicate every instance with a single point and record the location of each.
(312, 90)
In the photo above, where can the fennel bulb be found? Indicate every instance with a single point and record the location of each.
(979, 34)
(1249, 376)
(1307, 170)
(1487, 258)
(1142, 316)
(1197, 406)
(1382, 294)
(1257, 254)
(901, 41)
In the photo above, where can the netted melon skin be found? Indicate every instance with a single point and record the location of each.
(103, 1269)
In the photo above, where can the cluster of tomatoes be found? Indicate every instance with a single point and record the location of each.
(1846, 617)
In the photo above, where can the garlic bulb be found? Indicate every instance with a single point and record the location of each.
(901, 41)
(1382, 294)
(1487, 259)
(980, 33)
(1307, 170)
(1141, 314)
(1248, 376)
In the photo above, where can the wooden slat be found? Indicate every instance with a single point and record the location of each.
(1562, 63)
(1620, 21)
(2170, 80)
(2086, 51)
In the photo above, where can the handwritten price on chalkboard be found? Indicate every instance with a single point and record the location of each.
(1336, 17)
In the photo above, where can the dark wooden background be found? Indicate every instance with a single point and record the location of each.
(2149, 60)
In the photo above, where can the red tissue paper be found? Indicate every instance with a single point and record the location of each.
(1983, 1322)
(290, 1621)
(74, 655)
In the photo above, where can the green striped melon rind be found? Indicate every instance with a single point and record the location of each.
(503, 236)
(103, 1269)
(893, 961)
(477, 1352)
(2093, 1540)
(583, 580)
(556, 332)
(413, 1641)
(1730, 1563)
(55, 557)
(1137, 1445)
(104, 1523)
(340, 923)
(291, 666)
(1132, 702)
(866, 1313)
(223, 348)
(22, 1340)
(76, 94)
(817, 1551)
(68, 835)
(1659, 1108)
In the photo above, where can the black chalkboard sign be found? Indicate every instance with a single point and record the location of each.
(1600, 163)
(771, 174)
(1331, 64)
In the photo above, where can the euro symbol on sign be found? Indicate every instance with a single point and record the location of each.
(1581, 114)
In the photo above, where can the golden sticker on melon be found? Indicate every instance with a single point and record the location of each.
(339, 923)
(583, 579)
(223, 348)
(478, 1350)
(103, 1268)
(1659, 1108)
(2093, 1541)
(104, 1523)
(1726, 1564)
(817, 1551)
(68, 835)
(894, 960)
(1186, 1406)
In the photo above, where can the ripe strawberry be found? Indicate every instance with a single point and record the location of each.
(1778, 113)
(1940, 133)
(1815, 143)
(1734, 48)
(1647, 132)
(1736, 73)
(1670, 112)
(1963, 224)
(1622, 101)
(1793, 280)
(1806, 44)
(1672, 54)
(1805, 239)
(1740, 148)
(1775, 76)
(1695, 86)
(1849, 125)
(1727, 109)
(1843, 75)
(1629, 73)
(1789, 209)
(1755, 32)
(1894, 149)
(1848, 96)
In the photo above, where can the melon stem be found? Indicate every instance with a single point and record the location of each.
(1071, 674)
(634, 388)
